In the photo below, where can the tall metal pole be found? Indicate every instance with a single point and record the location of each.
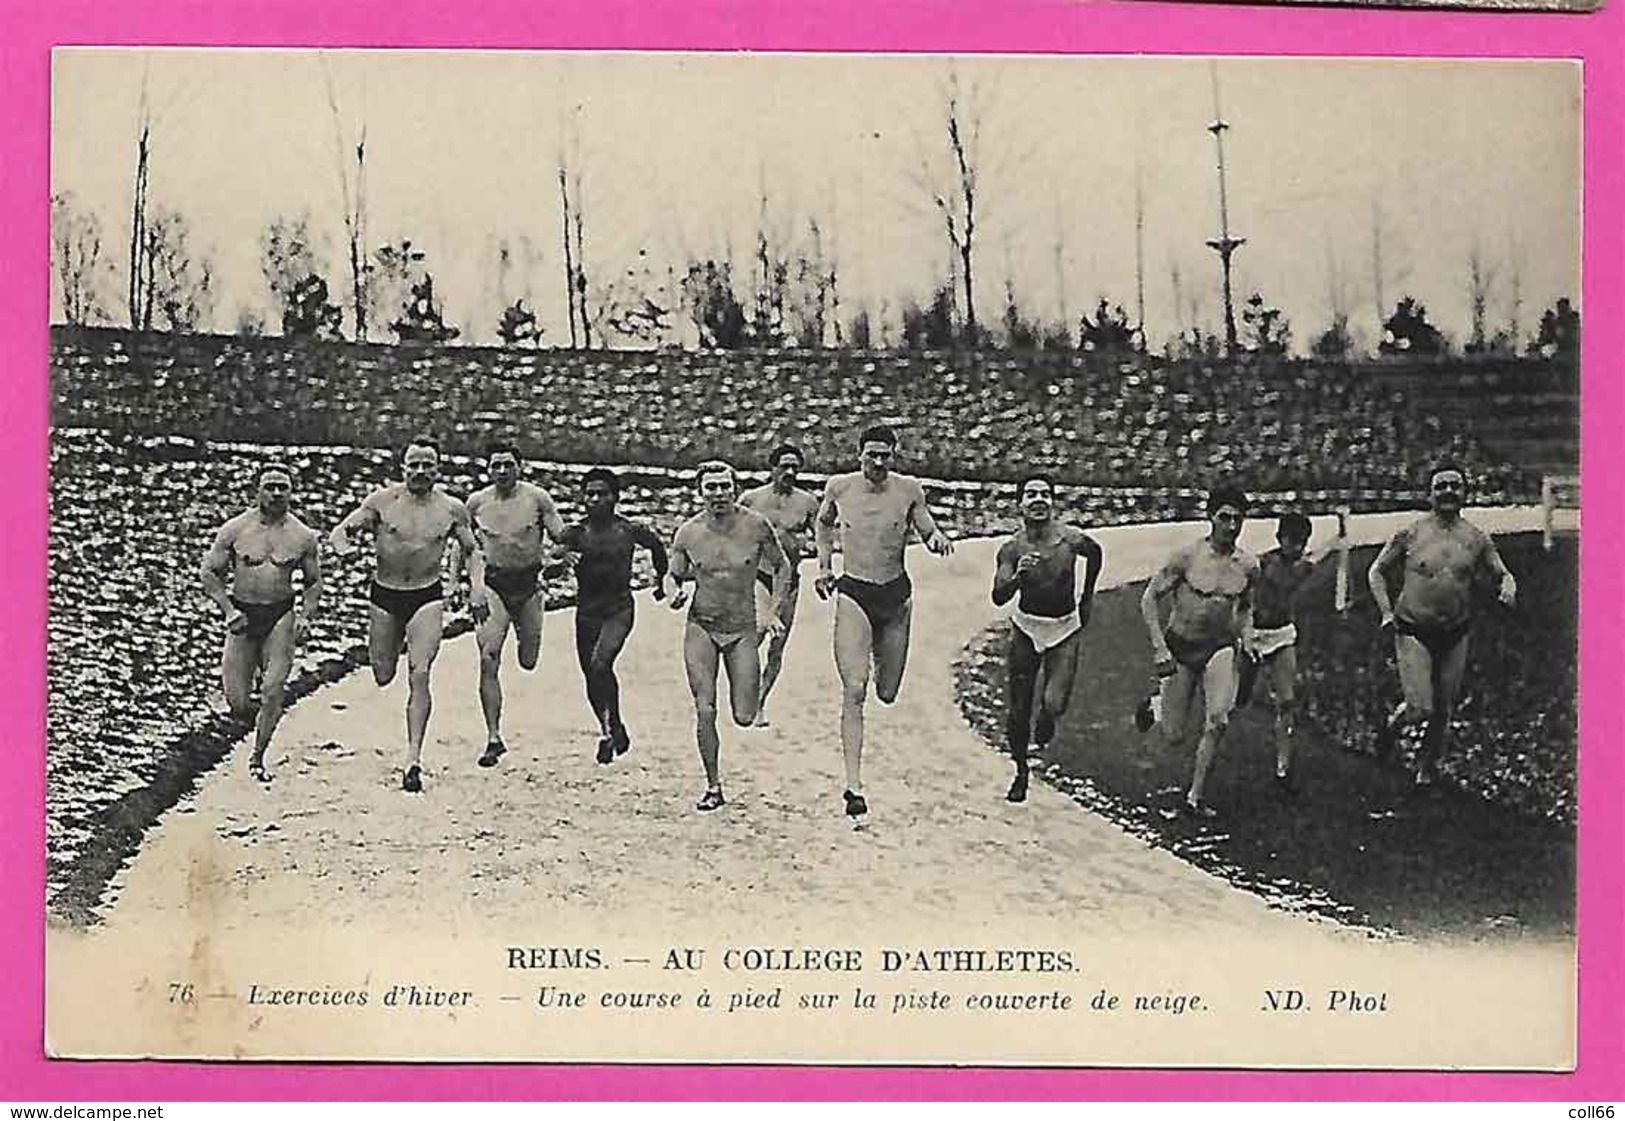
(1224, 245)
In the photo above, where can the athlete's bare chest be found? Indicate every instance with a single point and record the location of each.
(258, 544)
(411, 523)
(1215, 576)
(606, 542)
(1444, 554)
(716, 552)
(1056, 555)
(864, 508)
(515, 516)
(788, 513)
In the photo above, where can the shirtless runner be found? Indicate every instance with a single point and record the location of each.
(602, 548)
(412, 522)
(1284, 575)
(511, 520)
(791, 510)
(1211, 583)
(1436, 558)
(721, 551)
(872, 510)
(1040, 562)
(254, 554)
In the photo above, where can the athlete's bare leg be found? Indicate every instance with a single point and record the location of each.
(1023, 662)
(1448, 673)
(1060, 665)
(527, 629)
(1415, 663)
(891, 654)
(701, 659)
(612, 636)
(1219, 697)
(238, 663)
(386, 637)
(423, 635)
(1178, 694)
(492, 636)
(1282, 668)
(775, 656)
(276, 661)
(854, 651)
(744, 665)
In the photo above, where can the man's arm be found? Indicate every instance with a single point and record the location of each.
(1094, 557)
(548, 515)
(1392, 556)
(658, 556)
(362, 517)
(1006, 578)
(1508, 589)
(1169, 577)
(215, 569)
(682, 568)
(1244, 608)
(468, 546)
(805, 529)
(563, 554)
(311, 565)
(774, 557)
(920, 514)
(824, 537)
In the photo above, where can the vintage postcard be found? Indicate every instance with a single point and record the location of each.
(1003, 561)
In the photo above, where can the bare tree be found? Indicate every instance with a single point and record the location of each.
(1335, 343)
(1060, 334)
(76, 246)
(1480, 287)
(1383, 272)
(569, 249)
(963, 122)
(574, 224)
(1515, 260)
(581, 259)
(393, 273)
(832, 274)
(177, 284)
(769, 272)
(291, 262)
(808, 301)
(510, 290)
(355, 207)
(637, 308)
(138, 297)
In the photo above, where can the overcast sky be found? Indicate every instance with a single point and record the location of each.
(463, 148)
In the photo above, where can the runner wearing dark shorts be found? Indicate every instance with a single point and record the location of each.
(411, 523)
(513, 520)
(255, 555)
(602, 547)
(1210, 583)
(791, 510)
(1435, 560)
(872, 511)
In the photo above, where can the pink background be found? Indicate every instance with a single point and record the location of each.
(27, 33)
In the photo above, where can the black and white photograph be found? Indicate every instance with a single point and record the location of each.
(775, 558)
